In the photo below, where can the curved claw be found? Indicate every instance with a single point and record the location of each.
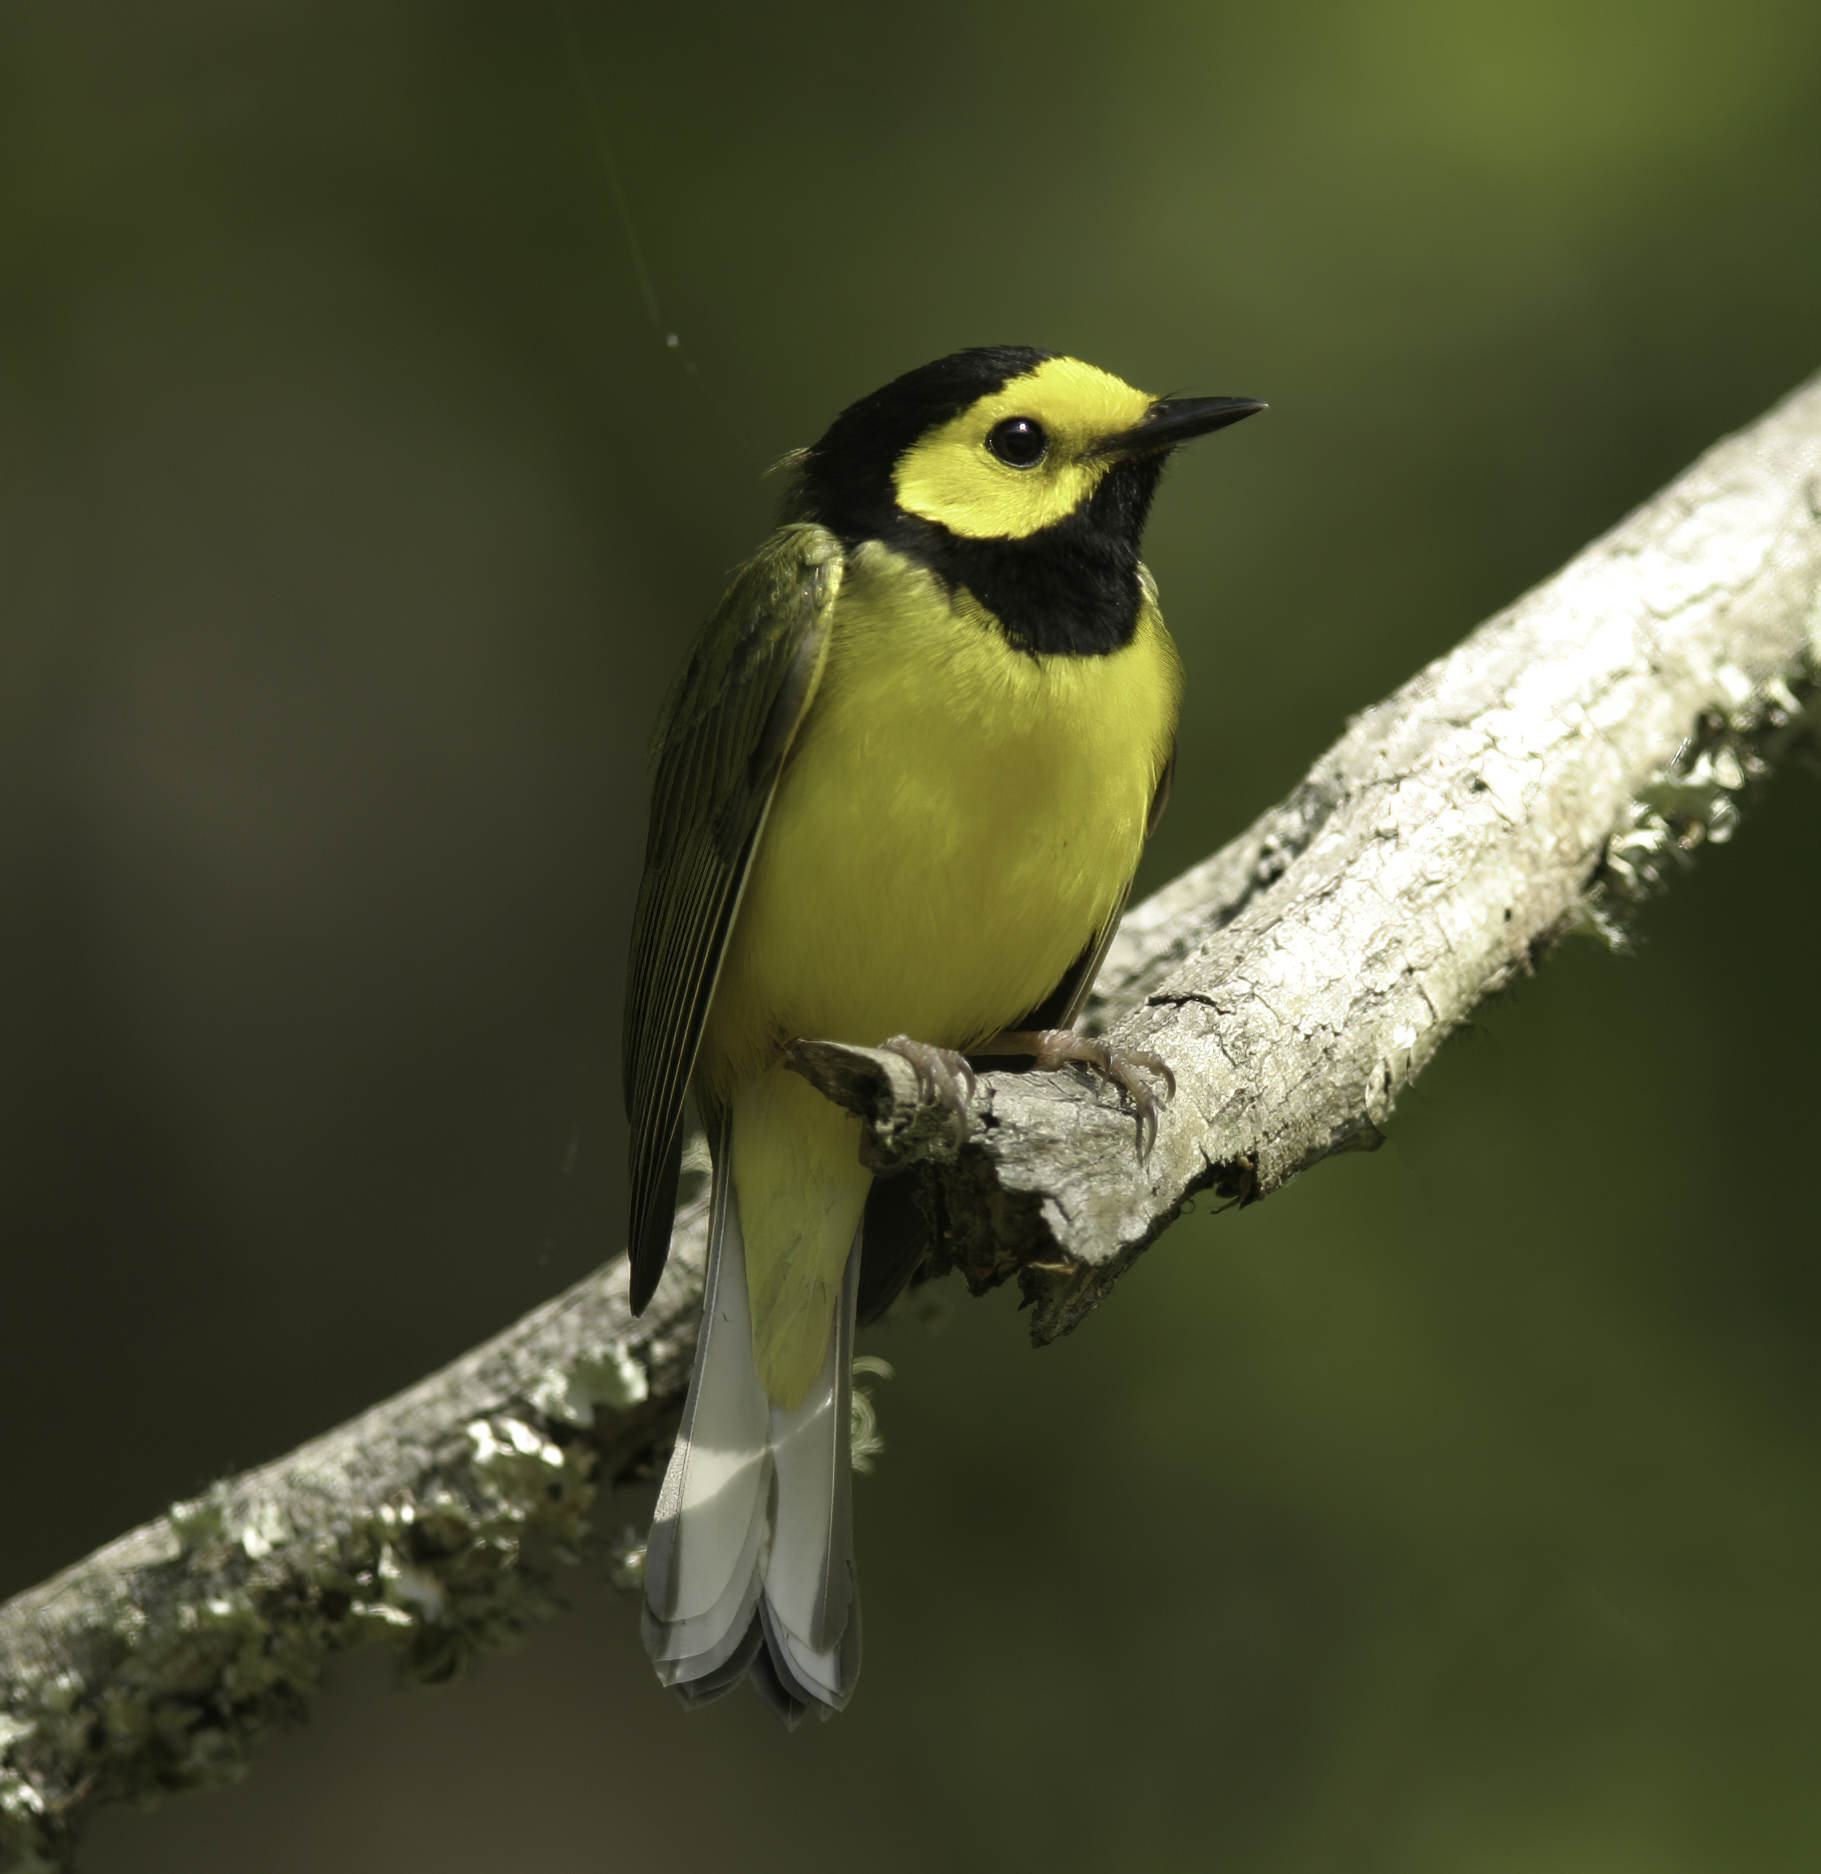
(1053, 1047)
(940, 1072)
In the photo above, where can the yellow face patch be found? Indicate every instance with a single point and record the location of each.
(953, 478)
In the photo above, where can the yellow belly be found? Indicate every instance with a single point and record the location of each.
(956, 821)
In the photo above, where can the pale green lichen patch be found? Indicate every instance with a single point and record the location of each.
(268, 1528)
(20, 1803)
(199, 1519)
(865, 1441)
(1694, 800)
(626, 1561)
(609, 1377)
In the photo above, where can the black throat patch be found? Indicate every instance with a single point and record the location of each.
(1071, 590)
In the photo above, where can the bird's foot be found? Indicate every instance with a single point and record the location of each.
(943, 1075)
(1051, 1048)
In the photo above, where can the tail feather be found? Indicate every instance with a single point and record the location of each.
(748, 1656)
(688, 1648)
(826, 1679)
(810, 1592)
(749, 1568)
(700, 1594)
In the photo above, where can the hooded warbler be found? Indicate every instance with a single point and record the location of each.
(902, 786)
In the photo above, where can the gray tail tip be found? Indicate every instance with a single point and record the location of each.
(769, 1683)
(758, 1657)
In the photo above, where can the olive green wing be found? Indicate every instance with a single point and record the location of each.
(720, 745)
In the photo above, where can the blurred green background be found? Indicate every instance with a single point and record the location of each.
(1458, 1509)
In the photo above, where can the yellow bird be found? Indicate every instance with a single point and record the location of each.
(902, 787)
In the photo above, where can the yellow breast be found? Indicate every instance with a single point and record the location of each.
(956, 821)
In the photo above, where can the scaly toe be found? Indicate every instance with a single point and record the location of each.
(942, 1074)
(1152, 1064)
(1052, 1047)
(1150, 1113)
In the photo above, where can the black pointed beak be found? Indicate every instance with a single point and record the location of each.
(1175, 420)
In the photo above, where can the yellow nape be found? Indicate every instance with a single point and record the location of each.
(952, 478)
(800, 1186)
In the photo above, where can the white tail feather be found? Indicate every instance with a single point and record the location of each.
(754, 1520)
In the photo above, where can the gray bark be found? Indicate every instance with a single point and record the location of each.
(1543, 777)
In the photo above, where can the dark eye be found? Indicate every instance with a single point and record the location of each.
(1019, 441)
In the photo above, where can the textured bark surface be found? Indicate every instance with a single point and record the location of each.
(1543, 776)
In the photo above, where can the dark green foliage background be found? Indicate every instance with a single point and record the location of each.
(1458, 1509)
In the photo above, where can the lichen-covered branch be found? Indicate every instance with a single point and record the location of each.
(1546, 774)
(150, 1666)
